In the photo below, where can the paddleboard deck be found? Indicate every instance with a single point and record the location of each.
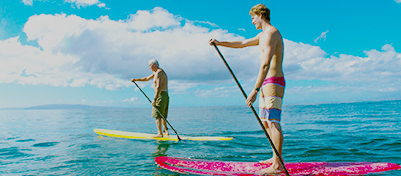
(205, 167)
(133, 135)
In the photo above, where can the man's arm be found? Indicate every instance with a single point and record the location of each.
(237, 44)
(147, 78)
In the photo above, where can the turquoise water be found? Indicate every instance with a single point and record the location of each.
(61, 142)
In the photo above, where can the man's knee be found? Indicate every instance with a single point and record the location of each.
(274, 124)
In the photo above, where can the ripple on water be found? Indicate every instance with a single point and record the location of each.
(320, 151)
(392, 145)
(45, 144)
(90, 146)
(44, 158)
(25, 140)
(13, 152)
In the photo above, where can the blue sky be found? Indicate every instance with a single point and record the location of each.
(85, 51)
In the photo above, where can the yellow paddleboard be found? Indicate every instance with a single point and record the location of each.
(171, 137)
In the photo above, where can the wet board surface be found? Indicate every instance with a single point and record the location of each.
(206, 167)
(171, 137)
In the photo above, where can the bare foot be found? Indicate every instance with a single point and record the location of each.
(158, 136)
(166, 133)
(269, 161)
(271, 170)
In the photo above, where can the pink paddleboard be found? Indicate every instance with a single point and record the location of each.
(204, 167)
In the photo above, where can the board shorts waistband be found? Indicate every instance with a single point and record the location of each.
(275, 80)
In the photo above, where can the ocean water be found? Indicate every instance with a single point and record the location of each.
(62, 142)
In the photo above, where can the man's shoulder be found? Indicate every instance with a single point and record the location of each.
(271, 31)
(274, 34)
(160, 72)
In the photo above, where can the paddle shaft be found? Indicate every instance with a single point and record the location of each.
(253, 109)
(179, 139)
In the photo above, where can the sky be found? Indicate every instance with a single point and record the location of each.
(86, 51)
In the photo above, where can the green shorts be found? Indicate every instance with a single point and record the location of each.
(161, 104)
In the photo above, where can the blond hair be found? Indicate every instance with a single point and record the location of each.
(260, 9)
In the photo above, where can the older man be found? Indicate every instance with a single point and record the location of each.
(161, 98)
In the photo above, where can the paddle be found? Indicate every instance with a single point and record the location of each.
(253, 109)
(179, 139)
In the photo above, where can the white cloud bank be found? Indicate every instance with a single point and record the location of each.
(106, 53)
(376, 75)
(307, 62)
(77, 3)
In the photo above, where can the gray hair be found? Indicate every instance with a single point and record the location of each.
(153, 61)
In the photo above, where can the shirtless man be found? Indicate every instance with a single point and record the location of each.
(270, 81)
(161, 98)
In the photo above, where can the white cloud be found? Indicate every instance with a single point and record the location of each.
(378, 70)
(78, 82)
(388, 89)
(207, 22)
(398, 1)
(217, 92)
(28, 2)
(345, 67)
(106, 53)
(179, 87)
(158, 18)
(77, 3)
(47, 68)
(322, 36)
(130, 100)
(101, 5)
(85, 3)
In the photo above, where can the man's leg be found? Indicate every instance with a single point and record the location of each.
(263, 115)
(167, 99)
(272, 96)
(158, 121)
(165, 127)
(159, 127)
(266, 125)
(277, 138)
(276, 134)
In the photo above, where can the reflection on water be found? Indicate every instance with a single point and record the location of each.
(161, 149)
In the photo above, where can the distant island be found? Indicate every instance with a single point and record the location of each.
(64, 106)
